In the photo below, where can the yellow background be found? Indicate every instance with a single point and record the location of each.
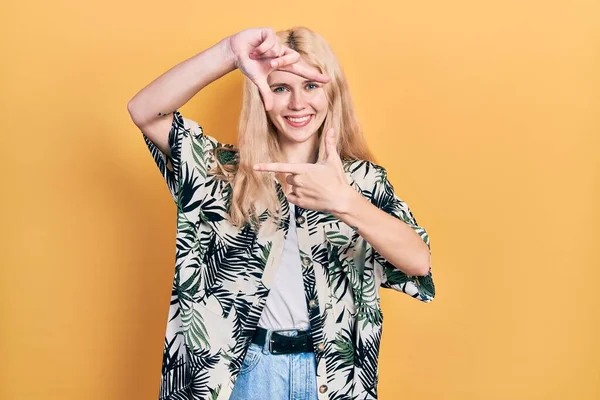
(485, 113)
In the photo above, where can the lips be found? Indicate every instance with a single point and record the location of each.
(298, 122)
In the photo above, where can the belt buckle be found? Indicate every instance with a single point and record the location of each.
(268, 347)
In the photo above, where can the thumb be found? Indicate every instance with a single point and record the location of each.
(259, 80)
(330, 146)
(265, 92)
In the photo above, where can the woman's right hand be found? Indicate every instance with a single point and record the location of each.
(259, 51)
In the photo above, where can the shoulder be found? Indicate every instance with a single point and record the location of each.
(186, 127)
(364, 172)
(205, 146)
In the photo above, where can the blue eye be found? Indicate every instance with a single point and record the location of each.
(311, 86)
(279, 89)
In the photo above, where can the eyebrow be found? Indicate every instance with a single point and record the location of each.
(285, 84)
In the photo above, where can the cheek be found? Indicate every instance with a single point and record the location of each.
(273, 114)
(279, 104)
(320, 102)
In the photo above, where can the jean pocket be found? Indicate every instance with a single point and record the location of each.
(253, 356)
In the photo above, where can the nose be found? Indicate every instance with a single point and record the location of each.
(297, 101)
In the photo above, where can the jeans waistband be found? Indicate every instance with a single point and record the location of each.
(274, 341)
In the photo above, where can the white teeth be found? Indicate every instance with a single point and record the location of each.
(299, 120)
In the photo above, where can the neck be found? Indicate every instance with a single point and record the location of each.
(298, 153)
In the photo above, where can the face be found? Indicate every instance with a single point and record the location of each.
(299, 106)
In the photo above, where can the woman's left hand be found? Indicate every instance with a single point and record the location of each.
(320, 187)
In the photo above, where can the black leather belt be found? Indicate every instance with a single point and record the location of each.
(282, 344)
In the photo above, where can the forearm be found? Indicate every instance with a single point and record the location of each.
(395, 240)
(178, 85)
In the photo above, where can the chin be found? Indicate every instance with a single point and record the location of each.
(299, 137)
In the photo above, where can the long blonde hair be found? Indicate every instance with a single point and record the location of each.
(254, 194)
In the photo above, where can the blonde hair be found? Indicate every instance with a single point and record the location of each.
(254, 196)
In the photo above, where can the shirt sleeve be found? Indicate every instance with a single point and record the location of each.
(384, 197)
(185, 169)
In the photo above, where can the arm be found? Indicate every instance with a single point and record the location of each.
(151, 109)
(257, 52)
(323, 186)
(395, 240)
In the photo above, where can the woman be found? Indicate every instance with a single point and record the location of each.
(283, 242)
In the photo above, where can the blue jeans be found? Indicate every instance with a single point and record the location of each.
(264, 375)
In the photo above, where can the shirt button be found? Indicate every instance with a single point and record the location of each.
(320, 347)
(306, 261)
(323, 388)
(300, 220)
(312, 303)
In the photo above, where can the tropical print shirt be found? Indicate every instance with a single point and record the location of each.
(223, 274)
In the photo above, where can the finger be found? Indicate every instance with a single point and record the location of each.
(330, 144)
(306, 72)
(265, 91)
(273, 52)
(267, 53)
(276, 51)
(288, 58)
(281, 167)
(293, 180)
(293, 198)
(269, 40)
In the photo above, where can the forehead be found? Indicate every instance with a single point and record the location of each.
(279, 76)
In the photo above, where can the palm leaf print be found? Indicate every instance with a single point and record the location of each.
(212, 211)
(368, 310)
(344, 350)
(367, 352)
(218, 292)
(187, 290)
(200, 156)
(336, 238)
(338, 280)
(187, 240)
(194, 328)
(187, 196)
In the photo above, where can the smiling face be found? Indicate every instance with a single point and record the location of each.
(299, 107)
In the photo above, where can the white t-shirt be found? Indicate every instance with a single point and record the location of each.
(286, 303)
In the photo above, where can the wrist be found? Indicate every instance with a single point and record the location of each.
(346, 202)
(227, 53)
